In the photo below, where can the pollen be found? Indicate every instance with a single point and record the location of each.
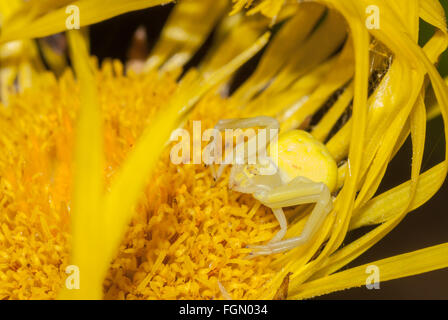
(188, 234)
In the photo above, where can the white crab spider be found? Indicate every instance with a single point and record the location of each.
(305, 172)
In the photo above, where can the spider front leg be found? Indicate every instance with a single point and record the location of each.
(281, 218)
(245, 123)
(299, 191)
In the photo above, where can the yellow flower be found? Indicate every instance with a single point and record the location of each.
(181, 236)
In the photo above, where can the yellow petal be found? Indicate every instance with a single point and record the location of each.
(400, 266)
(50, 17)
(86, 216)
(183, 35)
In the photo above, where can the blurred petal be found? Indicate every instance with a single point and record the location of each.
(86, 216)
(183, 35)
(42, 18)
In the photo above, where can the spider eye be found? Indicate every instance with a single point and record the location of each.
(298, 154)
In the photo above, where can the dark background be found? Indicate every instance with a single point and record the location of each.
(424, 227)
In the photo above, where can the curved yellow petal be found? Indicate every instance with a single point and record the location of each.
(400, 266)
(50, 17)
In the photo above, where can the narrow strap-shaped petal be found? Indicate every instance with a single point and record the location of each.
(347, 254)
(404, 265)
(183, 35)
(51, 17)
(286, 43)
(86, 217)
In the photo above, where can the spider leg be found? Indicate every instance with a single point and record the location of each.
(298, 191)
(244, 123)
(281, 218)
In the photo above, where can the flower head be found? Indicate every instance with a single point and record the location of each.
(359, 90)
